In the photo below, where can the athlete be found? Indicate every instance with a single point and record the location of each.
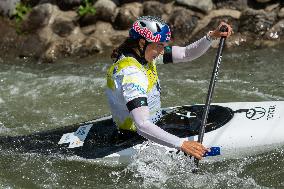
(133, 88)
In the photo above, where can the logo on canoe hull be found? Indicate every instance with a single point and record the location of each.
(255, 113)
(259, 112)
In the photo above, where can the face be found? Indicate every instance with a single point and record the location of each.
(153, 50)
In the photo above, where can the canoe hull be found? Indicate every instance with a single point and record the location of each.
(237, 128)
(255, 127)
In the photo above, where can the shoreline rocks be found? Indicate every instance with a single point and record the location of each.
(54, 29)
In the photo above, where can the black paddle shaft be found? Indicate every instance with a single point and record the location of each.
(211, 89)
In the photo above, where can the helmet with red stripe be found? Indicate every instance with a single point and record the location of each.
(151, 28)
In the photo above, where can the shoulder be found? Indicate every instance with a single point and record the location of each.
(129, 66)
(128, 62)
(129, 71)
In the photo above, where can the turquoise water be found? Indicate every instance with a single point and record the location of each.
(36, 97)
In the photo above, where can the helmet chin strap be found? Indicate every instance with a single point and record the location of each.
(142, 51)
(139, 56)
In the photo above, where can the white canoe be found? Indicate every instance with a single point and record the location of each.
(255, 127)
(237, 128)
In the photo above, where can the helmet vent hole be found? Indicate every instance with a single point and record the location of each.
(158, 28)
(143, 24)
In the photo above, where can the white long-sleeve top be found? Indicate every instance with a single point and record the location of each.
(143, 116)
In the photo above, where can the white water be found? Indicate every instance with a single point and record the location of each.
(40, 97)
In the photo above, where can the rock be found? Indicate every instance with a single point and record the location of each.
(68, 4)
(37, 18)
(51, 33)
(62, 4)
(107, 35)
(31, 3)
(236, 40)
(55, 50)
(63, 28)
(156, 8)
(231, 4)
(118, 38)
(204, 5)
(52, 27)
(212, 20)
(7, 7)
(121, 2)
(168, 8)
(116, 2)
(276, 32)
(61, 48)
(182, 22)
(48, 14)
(127, 14)
(105, 10)
(88, 30)
(254, 4)
(103, 32)
(58, 46)
(27, 48)
(153, 8)
(88, 19)
(58, 33)
(263, 1)
(126, 1)
(273, 7)
(90, 46)
(281, 13)
(10, 41)
(257, 21)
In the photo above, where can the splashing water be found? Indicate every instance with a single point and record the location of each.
(40, 97)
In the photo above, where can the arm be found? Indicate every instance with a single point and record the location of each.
(136, 102)
(154, 133)
(178, 54)
(192, 51)
(134, 88)
(149, 130)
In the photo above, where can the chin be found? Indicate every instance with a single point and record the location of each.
(149, 59)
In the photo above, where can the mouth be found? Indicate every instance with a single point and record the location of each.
(154, 57)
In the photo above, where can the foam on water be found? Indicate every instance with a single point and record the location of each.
(4, 129)
(233, 81)
(261, 94)
(76, 80)
(40, 97)
(1, 101)
(184, 81)
(153, 168)
(3, 184)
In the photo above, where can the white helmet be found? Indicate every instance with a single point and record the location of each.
(151, 28)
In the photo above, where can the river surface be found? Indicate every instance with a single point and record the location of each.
(37, 97)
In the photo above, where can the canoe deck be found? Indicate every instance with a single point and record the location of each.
(104, 139)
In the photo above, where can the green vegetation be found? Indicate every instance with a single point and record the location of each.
(87, 8)
(21, 11)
